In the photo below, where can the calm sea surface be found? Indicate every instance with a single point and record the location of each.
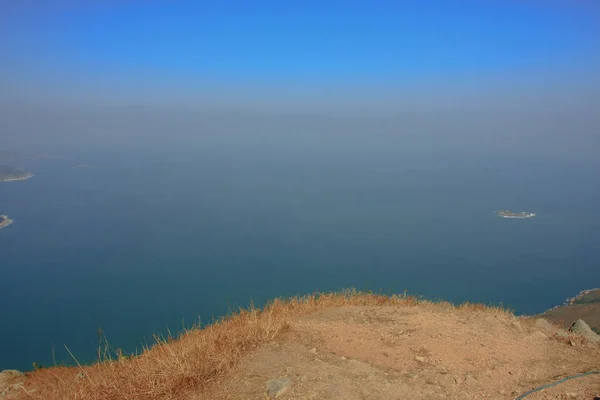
(157, 239)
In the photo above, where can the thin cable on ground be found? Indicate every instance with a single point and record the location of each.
(568, 378)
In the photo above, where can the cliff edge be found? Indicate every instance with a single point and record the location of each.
(343, 346)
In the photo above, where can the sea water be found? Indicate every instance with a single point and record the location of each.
(145, 241)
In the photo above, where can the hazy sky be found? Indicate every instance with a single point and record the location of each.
(470, 59)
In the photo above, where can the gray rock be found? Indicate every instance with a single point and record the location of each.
(278, 387)
(420, 359)
(313, 350)
(580, 328)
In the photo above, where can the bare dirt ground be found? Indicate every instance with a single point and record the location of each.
(422, 352)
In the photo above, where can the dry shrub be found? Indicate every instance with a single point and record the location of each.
(198, 358)
(477, 307)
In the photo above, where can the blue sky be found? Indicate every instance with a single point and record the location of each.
(189, 45)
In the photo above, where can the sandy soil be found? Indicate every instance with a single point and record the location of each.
(422, 352)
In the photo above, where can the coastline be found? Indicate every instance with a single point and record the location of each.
(569, 301)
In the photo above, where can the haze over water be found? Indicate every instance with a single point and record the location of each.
(289, 164)
(149, 239)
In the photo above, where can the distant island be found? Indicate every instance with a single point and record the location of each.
(510, 214)
(86, 166)
(82, 166)
(5, 221)
(8, 173)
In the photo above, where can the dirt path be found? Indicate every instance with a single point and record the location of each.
(422, 352)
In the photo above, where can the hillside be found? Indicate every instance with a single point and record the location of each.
(342, 346)
(585, 306)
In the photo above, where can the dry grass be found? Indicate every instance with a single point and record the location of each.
(199, 357)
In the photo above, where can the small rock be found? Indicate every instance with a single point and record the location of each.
(470, 380)
(278, 387)
(343, 358)
(571, 395)
(80, 376)
(313, 350)
(385, 353)
(572, 343)
(580, 328)
(420, 359)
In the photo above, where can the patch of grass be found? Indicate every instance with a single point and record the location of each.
(199, 357)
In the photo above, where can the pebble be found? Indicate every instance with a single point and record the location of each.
(278, 387)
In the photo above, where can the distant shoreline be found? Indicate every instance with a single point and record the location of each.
(569, 301)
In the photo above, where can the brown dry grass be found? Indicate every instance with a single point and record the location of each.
(199, 357)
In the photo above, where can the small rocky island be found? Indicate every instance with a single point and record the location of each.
(510, 214)
(8, 173)
(5, 221)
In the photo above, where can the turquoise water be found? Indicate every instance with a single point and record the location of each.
(159, 239)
